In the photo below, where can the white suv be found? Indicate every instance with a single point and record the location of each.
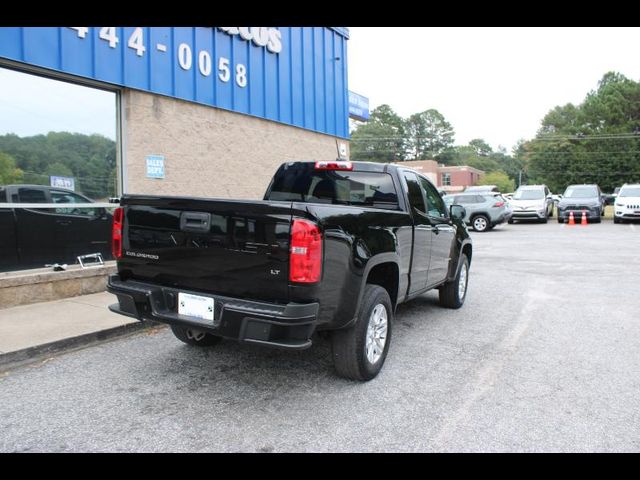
(532, 202)
(627, 204)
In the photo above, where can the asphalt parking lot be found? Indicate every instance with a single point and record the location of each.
(544, 356)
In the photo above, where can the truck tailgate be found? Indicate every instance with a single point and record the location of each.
(236, 248)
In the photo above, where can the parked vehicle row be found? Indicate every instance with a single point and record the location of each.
(537, 203)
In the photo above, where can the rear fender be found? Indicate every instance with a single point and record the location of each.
(373, 262)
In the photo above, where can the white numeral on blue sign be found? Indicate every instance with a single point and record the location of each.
(109, 34)
(184, 56)
(136, 41)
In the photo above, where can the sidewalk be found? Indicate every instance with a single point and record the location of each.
(29, 332)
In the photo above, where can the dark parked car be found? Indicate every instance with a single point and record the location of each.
(334, 247)
(32, 237)
(581, 198)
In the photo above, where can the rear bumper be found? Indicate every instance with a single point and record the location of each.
(289, 326)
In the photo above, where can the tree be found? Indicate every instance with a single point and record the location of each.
(428, 135)
(9, 173)
(500, 179)
(482, 148)
(595, 142)
(381, 139)
(90, 159)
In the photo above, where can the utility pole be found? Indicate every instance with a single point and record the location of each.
(519, 178)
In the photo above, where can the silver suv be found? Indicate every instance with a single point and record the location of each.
(532, 202)
(484, 210)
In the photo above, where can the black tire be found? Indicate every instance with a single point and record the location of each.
(616, 219)
(193, 336)
(560, 220)
(596, 220)
(479, 219)
(349, 345)
(543, 220)
(510, 221)
(450, 291)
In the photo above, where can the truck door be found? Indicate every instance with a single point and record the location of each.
(442, 232)
(35, 229)
(421, 233)
(80, 231)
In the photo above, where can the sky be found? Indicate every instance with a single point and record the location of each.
(491, 83)
(31, 105)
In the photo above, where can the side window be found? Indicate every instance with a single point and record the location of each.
(31, 195)
(435, 205)
(68, 199)
(414, 192)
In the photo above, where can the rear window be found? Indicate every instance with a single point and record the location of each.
(303, 183)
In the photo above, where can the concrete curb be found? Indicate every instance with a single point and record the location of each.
(25, 356)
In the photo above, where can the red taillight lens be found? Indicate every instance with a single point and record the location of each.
(334, 166)
(499, 204)
(305, 257)
(116, 233)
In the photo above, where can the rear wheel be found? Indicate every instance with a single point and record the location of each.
(480, 223)
(360, 351)
(453, 293)
(192, 336)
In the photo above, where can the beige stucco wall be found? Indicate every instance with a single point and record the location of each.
(209, 152)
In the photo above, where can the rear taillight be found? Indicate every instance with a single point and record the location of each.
(305, 257)
(336, 165)
(499, 204)
(116, 233)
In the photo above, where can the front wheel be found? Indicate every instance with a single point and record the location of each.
(453, 293)
(360, 351)
(480, 223)
(616, 219)
(192, 336)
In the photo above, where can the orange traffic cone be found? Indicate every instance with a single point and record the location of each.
(584, 218)
(572, 221)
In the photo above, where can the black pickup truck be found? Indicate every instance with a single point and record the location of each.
(32, 237)
(333, 247)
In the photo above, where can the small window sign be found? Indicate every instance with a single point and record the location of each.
(155, 166)
(63, 182)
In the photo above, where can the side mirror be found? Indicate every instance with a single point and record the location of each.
(457, 211)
